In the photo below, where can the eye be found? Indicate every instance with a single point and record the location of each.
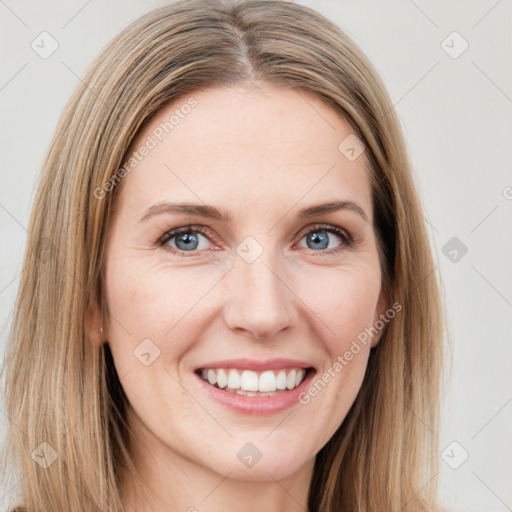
(186, 239)
(318, 239)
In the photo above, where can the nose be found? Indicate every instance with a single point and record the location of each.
(260, 300)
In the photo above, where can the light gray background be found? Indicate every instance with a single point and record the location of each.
(456, 114)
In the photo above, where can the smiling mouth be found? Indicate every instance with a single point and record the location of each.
(252, 383)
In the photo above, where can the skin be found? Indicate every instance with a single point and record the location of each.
(262, 154)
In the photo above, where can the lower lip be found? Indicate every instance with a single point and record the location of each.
(257, 404)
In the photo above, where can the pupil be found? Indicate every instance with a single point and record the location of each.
(187, 239)
(321, 241)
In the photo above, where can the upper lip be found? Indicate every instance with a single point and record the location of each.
(255, 365)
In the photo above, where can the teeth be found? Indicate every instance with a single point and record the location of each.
(222, 379)
(281, 380)
(267, 382)
(290, 379)
(250, 383)
(233, 379)
(212, 377)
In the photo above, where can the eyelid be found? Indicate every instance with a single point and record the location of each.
(168, 235)
(347, 238)
(331, 228)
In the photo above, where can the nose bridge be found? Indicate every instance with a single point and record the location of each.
(260, 301)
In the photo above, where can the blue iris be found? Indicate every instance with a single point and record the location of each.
(320, 241)
(188, 239)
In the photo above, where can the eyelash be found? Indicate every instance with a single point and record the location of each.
(347, 240)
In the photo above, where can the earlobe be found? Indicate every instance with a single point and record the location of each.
(94, 325)
(377, 321)
(375, 341)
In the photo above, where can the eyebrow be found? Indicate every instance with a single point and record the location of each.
(210, 212)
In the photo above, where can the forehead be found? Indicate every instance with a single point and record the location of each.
(270, 145)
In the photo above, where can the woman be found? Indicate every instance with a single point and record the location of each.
(227, 298)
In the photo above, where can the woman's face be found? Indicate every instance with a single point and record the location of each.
(265, 297)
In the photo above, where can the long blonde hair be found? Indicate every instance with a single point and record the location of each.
(63, 397)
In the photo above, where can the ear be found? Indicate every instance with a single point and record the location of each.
(379, 310)
(94, 324)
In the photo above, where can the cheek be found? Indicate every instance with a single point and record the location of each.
(345, 301)
(149, 307)
(342, 304)
(153, 301)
